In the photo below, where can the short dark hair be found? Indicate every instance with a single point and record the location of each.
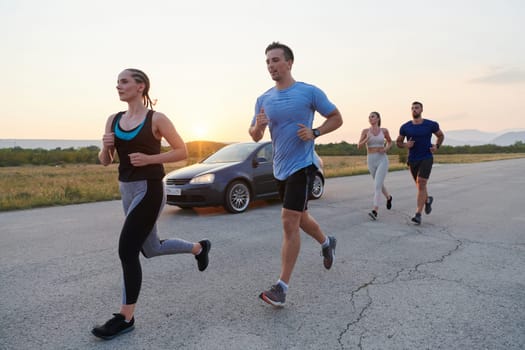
(417, 103)
(288, 54)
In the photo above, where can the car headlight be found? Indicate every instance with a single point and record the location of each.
(203, 179)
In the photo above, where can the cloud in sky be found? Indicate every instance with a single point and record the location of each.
(501, 76)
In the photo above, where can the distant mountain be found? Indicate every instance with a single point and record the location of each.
(468, 137)
(475, 137)
(509, 138)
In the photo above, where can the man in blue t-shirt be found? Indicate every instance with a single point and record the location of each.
(288, 109)
(418, 133)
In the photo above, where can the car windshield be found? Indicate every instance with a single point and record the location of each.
(236, 152)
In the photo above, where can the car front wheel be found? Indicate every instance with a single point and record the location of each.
(237, 197)
(318, 187)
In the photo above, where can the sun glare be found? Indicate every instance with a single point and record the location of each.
(199, 131)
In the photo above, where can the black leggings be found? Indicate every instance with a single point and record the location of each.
(139, 222)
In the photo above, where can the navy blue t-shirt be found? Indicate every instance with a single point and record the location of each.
(421, 134)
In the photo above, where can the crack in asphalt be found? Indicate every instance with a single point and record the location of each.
(361, 313)
(408, 270)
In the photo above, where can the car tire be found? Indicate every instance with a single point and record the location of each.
(237, 197)
(318, 187)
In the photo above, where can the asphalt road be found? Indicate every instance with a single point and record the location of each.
(455, 282)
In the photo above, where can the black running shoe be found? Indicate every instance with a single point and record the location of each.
(275, 296)
(389, 203)
(114, 327)
(373, 214)
(417, 219)
(328, 253)
(428, 205)
(202, 257)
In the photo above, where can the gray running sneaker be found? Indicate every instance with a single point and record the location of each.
(328, 253)
(428, 205)
(373, 215)
(275, 296)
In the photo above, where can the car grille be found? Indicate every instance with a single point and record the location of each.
(185, 199)
(178, 182)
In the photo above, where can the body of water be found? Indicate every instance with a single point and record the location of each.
(48, 144)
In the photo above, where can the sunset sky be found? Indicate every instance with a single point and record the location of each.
(465, 60)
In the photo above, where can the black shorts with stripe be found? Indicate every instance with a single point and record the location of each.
(295, 190)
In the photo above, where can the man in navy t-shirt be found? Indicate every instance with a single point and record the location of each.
(418, 133)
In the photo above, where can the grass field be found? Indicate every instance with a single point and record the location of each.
(41, 186)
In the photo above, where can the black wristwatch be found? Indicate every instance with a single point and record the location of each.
(316, 133)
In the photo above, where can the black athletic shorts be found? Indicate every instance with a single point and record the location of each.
(295, 190)
(421, 168)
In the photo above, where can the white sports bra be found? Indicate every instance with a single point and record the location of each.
(376, 141)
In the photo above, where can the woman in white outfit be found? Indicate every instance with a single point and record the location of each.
(378, 143)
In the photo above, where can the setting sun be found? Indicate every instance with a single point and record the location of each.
(199, 131)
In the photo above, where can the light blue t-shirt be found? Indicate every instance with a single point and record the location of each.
(286, 109)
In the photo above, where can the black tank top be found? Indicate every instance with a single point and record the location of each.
(140, 139)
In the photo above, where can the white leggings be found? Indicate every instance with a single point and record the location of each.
(378, 167)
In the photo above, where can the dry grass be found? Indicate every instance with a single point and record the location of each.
(475, 158)
(335, 166)
(38, 186)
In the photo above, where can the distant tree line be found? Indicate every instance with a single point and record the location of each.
(349, 149)
(202, 149)
(27, 156)
(17, 156)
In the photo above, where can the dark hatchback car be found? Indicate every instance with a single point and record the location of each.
(233, 177)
